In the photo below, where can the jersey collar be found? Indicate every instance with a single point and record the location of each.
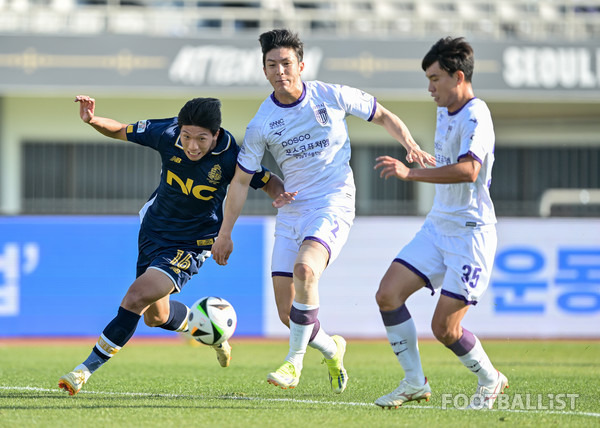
(295, 103)
(223, 142)
(463, 106)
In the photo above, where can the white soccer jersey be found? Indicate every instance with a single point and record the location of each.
(467, 131)
(309, 139)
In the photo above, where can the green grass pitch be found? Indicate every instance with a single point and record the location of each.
(158, 383)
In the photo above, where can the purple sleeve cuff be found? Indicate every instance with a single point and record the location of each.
(247, 171)
(470, 153)
(374, 110)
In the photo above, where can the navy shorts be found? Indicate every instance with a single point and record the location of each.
(178, 261)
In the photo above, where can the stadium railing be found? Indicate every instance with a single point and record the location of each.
(552, 197)
(524, 19)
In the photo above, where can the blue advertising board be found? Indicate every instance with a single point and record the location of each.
(66, 276)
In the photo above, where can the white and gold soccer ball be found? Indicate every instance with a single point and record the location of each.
(212, 320)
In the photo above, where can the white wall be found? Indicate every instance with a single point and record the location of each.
(348, 286)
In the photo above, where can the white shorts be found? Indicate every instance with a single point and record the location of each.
(460, 265)
(329, 226)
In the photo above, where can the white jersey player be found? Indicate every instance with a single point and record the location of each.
(309, 135)
(468, 132)
(303, 125)
(454, 250)
(312, 130)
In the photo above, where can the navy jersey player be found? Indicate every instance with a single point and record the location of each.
(179, 222)
(303, 125)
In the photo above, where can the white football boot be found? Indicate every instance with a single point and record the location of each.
(404, 393)
(485, 396)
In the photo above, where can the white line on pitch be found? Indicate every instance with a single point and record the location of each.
(289, 400)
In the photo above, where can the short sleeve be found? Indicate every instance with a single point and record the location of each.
(252, 150)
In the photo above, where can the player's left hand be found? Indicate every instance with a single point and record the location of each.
(284, 199)
(222, 249)
(391, 167)
(420, 156)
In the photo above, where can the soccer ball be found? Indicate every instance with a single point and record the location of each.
(212, 320)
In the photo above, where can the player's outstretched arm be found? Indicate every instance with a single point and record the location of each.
(109, 127)
(465, 170)
(398, 129)
(236, 198)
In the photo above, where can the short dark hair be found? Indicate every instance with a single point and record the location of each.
(453, 54)
(203, 112)
(281, 38)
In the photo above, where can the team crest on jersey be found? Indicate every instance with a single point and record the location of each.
(215, 174)
(321, 114)
(141, 126)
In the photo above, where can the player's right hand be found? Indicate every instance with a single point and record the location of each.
(391, 167)
(284, 199)
(222, 249)
(87, 106)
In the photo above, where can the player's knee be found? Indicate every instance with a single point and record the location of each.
(154, 320)
(382, 298)
(303, 272)
(444, 333)
(135, 300)
(387, 297)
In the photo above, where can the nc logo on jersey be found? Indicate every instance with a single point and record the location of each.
(199, 191)
(321, 114)
(215, 174)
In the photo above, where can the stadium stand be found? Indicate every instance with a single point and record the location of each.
(523, 19)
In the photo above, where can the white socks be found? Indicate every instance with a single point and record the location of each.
(403, 338)
(324, 343)
(479, 363)
(300, 331)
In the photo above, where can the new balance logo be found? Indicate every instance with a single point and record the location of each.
(175, 159)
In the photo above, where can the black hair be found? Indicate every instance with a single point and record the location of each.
(203, 112)
(281, 38)
(452, 54)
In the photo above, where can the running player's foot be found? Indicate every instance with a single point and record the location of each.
(485, 396)
(286, 376)
(404, 393)
(73, 382)
(223, 353)
(338, 378)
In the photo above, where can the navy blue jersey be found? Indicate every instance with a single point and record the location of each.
(187, 206)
